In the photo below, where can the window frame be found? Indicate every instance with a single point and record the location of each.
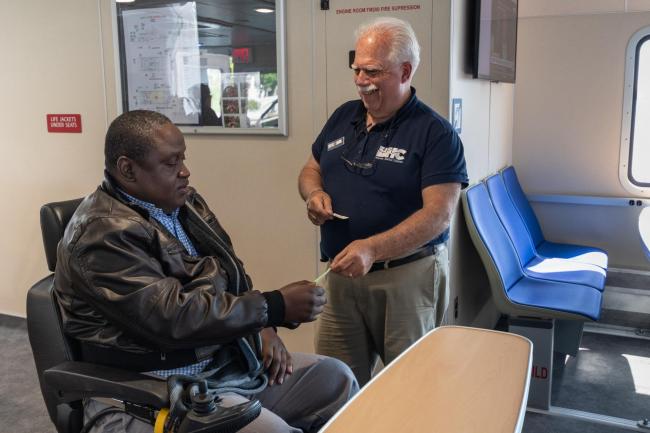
(282, 128)
(631, 185)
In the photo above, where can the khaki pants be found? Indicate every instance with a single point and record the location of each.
(382, 313)
(318, 387)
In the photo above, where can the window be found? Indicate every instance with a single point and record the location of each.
(634, 170)
(211, 66)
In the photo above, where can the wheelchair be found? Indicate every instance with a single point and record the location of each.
(66, 380)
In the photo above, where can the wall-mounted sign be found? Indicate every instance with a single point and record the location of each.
(378, 9)
(166, 67)
(64, 123)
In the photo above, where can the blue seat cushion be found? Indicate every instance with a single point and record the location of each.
(551, 268)
(577, 253)
(566, 271)
(553, 296)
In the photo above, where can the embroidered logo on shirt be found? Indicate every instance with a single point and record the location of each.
(336, 143)
(393, 154)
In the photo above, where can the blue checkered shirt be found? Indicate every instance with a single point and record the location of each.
(169, 221)
(172, 223)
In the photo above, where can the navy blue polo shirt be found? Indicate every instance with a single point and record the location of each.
(376, 178)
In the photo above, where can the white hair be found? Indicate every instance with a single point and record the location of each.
(403, 45)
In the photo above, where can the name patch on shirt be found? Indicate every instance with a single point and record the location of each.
(336, 143)
(393, 154)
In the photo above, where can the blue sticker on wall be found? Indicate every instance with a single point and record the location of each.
(457, 114)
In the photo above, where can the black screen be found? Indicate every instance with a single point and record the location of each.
(495, 44)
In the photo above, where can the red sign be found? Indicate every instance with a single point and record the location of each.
(540, 372)
(242, 55)
(64, 123)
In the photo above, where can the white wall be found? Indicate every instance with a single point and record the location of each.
(568, 105)
(487, 137)
(50, 64)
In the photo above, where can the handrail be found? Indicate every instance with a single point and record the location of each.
(589, 200)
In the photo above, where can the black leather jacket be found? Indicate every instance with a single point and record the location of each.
(125, 283)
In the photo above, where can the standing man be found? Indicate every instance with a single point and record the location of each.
(394, 168)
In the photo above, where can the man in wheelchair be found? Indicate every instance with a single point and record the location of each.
(147, 280)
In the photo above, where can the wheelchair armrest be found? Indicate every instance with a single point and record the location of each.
(73, 380)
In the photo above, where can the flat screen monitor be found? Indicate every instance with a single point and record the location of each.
(495, 44)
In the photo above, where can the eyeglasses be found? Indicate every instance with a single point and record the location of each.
(358, 167)
(369, 72)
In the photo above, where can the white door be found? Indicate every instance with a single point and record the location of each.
(342, 19)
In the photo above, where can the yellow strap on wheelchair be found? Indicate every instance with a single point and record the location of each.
(160, 420)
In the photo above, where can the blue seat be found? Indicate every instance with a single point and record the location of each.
(533, 265)
(549, 313)
(514, 292)
(544, 248)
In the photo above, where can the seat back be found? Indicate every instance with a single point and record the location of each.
(511, 219)
(522, 205)
(493, 245)
(54, 219)
(44, 327)
(644, 230)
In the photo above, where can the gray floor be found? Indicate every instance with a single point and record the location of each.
(21, 406)
(627, 299)
(603, 378)
(599, 379)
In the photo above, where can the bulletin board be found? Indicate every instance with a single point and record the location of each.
(189, 61)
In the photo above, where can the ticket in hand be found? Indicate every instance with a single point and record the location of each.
(319, 279)
(339, 216)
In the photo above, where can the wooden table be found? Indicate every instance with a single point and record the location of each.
(454, 379)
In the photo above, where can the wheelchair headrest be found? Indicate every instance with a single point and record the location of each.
(54, 219)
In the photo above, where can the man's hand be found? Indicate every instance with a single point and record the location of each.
(303, 301)
(355, 260)
(310, 185)
(319, 207)
(276, 357)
